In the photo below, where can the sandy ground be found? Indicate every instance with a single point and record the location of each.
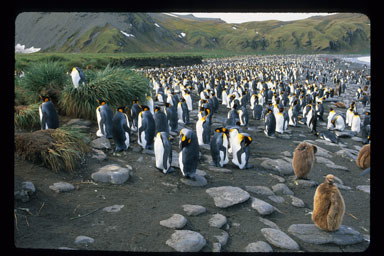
(150, 196)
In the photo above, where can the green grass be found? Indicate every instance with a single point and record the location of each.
(117, 86)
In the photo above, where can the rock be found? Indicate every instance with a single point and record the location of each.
(276, 199)
(175, 159)
(186, 241)
(227, 196)
(260, 190)
(281, 165)
(84, 240)
(216, 247)
(101, 143)
(177, 221)
(286, 153)
(364, 188)
(344, 134)
(113, 208)
(299, 182)
(217, 220)
(28, 186)
(297, 202)
(263, 208)
(21, 195)
(112, 173)
(269, 223)
(193, 210)
(199, 181)
(309, 233)
(98, 154)
(279, 178)
(259, 246)
(78, 122)
(279, 239)
(357, 139)
(62, 187)
(223, 238)
(201, 173)
(281, 189)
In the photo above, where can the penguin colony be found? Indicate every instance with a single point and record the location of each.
(282, 92)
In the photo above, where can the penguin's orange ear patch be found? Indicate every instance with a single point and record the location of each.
(183, 138)
(189, 141)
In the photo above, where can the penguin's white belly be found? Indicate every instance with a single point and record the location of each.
(189, 102)
(242, 161)
(339, 124)
(127, 139)
(98, 132)
(309, 117)
(180, 113)
(181, 164)
(40, 114)
(279, 124)
(75, 78)
(355, 125)
(199, 132)
(224, 98)
(159, 153)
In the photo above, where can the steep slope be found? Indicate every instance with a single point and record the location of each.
(156, 32)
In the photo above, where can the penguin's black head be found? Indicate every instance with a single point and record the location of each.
(157, 109)
(184, 139)
(167, 104)
(144, 108)
(121, 109)
(101, 101)
(44, 98)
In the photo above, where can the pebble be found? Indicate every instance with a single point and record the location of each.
(262, 207)
(259, 246)
(112, 173)
(279, 239)
(260, 190)
(99, 154)
(62, 187)
(219, 169)
(186, 241)
(113, 208)
(297, 202)
(227, 196)
(193, 210)
(217, 220)
(84, 240)
(309, 233)
(281, 189)
(364, 188)
(223, 238)
(177, 221)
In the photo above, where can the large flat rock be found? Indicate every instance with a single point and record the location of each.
(279, 239)
(227, 196)
(186, 241)
(309, 233)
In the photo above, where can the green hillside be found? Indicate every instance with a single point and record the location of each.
(158, 32)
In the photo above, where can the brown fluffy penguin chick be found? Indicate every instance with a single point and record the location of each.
(328, 205)
(363, 159)
(303, 159)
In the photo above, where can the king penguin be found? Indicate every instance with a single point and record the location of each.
(355, 123)
(328, 205)
(135, 110)
(280, 122)
(182, 111)
(219, 147)
(161, 122)
(163, 152)
(104, 117)
(48, 115)
(171, 112)
(270, 123)
(189, 154)
(203, 130)
(146, 128)
(120, 130)
(240, 150)
(328, 136)
(243, 115)
(77, 76)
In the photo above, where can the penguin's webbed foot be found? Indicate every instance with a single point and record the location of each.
(249, 166)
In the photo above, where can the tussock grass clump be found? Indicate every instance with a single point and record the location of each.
(117, 86)
(27, 117)
(44, 76)
(58, 149)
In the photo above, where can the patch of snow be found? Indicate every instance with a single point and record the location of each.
(157, 25)
(170, 14)
(21, 49)
(234, 27)
(126, 34)
(183, 34)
